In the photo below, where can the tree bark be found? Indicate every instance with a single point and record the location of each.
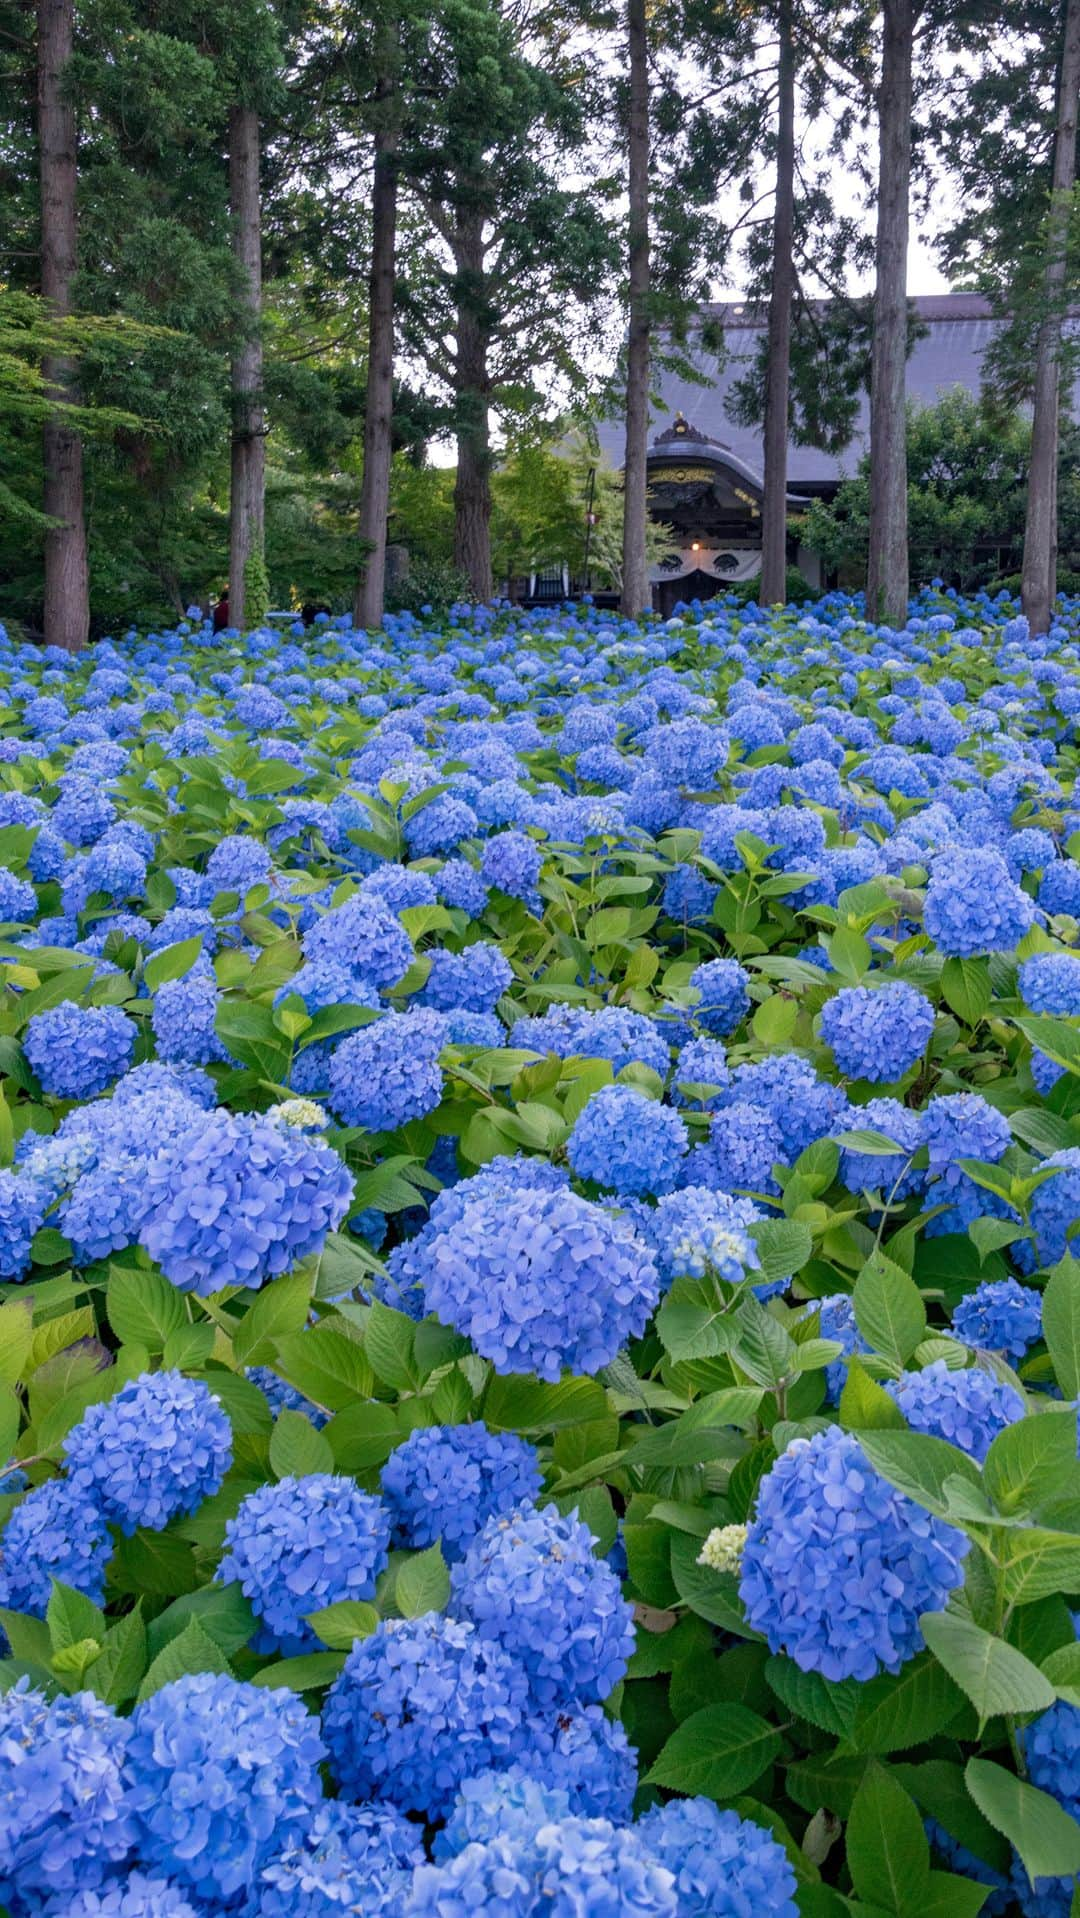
(472, 485)
(67, 590)
(635, 597)
(248, 451)
(887, 572)
(370, 597)
(781, 294)
(1039, 577)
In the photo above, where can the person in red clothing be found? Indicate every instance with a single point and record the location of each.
(221, 612)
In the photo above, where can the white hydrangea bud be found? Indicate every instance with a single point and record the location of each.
(304, 1114)
(723, 1549)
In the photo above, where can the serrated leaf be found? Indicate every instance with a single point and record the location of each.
(889, 1309)
(363, 1436)
(308, 1673)
(340, 1625)
(996, 1677)
(1046, 1837)
(172, 962)
(515, 1402)
(1031, 1460)
(192, 1650)
(72, 1617)
(142, 1307)
(297, 1449)
(279, 1309)
(887, 1851)
(918, 1465)
(222, 1610)
(716, 1752)
(422, 1583)
(1061, 1324)
(966, 988)
(389, 1338)
(326, 1366)
(893, 1713)
(117, 1672)
(712, 1595)
(865, 1406)
(830, 1705)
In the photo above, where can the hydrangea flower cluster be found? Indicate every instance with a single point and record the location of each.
(627, 1142)
(156, 1450)
(237, 1200)
(388, 1073)
(300, 1545)
(700, 1230)
(54, 1533)
(530, 1583)
(724, 1866)
(877, 1033)
(77, 1051)
(723, 997)
(445, 1482)
(1001, 1315)
(968, 1408)
(65, 1813)
(350, 1858)
(540, 1281)
(839, 1567)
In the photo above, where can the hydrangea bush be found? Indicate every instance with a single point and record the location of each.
(539, 1312)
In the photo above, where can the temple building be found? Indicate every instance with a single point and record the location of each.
(705, 471)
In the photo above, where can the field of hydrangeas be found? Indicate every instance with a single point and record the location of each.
(539, 1346)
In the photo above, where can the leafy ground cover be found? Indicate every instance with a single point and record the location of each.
(539, 1344)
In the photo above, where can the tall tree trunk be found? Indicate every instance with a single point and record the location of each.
(635, 573)
(781, 295)
(67, 591)
(472, 486)
(248, 475)
(887, 572)
(378, 419)
(1039, 578)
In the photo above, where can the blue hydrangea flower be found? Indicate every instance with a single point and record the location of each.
(530, 1583)
(877, 1033)
(540, 1280)
(509, 1804)
(627, 1142)
(440, 826)
(724, 1866)
(183, 1016)
(699, 1230)
(238, 1200)
(703, 1063)
(744, 1144)
(24, 1201)
(446, 1481)
(18, 900)
(366, 938)
(422, 1704)
(133, 1895)
(612, 1032)
(399, 887)
(962, 1125)
(56, 1531)
(460, 885)
(586, 1754)
(968, 1408)
(583, 1866)
(221, 1774)
(724, 1000)
(237, 863)
(1050, 982)
(957, 1858)
(973, 904)
(1001, 1315)
(839, 1567)
(64, 1819)
(688, 896)
(473, 980)
(77, 1051)
(1055, 1206)
(512, 861)
(1052, 1749)
(351, 1859)
(885, 1172)
(803, 1107)
(300, 1545)
(388, 1072)
(837, 1321)
(156, 1450)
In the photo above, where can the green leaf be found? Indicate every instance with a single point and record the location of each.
(325, 1365)
(939, 1789)
(309, 1673)
(157, 1563)
(28, 1637)
(16, 1334)
(1045, 1836)
(247, 1031)
(948, 1896)
(996, 1677)
(518, 1403)
(830, 1705)
(189, 1347)
(192, 1650)
(297, 1449)
(363, 1436)
(865, 1405)
(1061, 1324)
(1056, 1037)
(340, 1625)
(1039, 1563)
(116, 1674)
(142, 1307)
(716, 1752)
(1031, 1461)
(887, 1851)
(874, 1144)
(279, 1309)
(422, 1583)
(889, 1309)
(172, 962)
(389, 1339)
(222, 1611)
(242, 1402)
(712, 1595)
(966, 988)
(918, 1465)
(783, 1246)
(893, 1713)
(71, 1617)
